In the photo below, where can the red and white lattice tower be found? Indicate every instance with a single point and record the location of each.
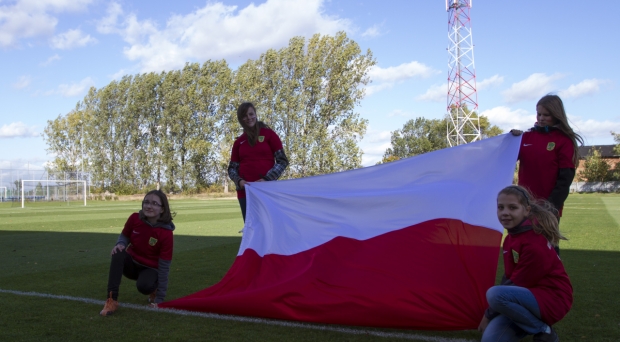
(463, 127)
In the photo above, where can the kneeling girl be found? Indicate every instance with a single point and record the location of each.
(535, 292)
(143, 252)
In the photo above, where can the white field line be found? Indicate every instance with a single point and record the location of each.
(248, 319)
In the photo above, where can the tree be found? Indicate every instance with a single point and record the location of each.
(175, 129)
(417, 137)
(307, 94)
(426, 135)
(595, 168)
(616, 171)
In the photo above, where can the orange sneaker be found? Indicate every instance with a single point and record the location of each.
(110, 306)
(152, 296)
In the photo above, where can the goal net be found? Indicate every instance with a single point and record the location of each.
(44, 190)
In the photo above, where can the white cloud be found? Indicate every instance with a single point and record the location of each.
(110, 22)
(387, 77)
(591, 130)
(17, 129)
(22, 82)
(436, 93)
(532, 88)
(507, 119)
(585, 87)
(217, 31)
(71, 39)
(374, 145)
(73, 89)
(494, 80)
(371, 89)
(371, 32)
(50, 60)
(439, 93)
(402, 72)
(33, 18)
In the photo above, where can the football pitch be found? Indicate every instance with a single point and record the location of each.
(55, 260)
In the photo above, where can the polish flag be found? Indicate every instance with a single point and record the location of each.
(408, 244)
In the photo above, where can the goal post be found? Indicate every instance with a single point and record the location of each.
(3, 196)
(34, 195)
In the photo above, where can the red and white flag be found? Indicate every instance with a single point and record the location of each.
(409, 244)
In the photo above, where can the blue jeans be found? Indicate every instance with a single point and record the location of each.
(519, 314)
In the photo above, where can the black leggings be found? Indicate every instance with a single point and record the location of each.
(123, 264)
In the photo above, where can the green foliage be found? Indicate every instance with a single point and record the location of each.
(617, 140)
(426, 135)
(178, 127)
(596, 169)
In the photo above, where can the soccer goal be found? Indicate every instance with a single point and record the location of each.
(45, 190)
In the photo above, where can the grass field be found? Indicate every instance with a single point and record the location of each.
(63, 250)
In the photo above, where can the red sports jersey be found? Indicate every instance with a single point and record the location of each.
(531, 262)
(541, 156)
(147, 243)
(255, 161)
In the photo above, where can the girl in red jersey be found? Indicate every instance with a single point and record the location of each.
(257, 155)
(549, 154)
(143, 252)
(535, 292)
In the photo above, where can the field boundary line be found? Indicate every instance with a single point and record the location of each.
(246, 319)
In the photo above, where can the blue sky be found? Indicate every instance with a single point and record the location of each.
(54, 50)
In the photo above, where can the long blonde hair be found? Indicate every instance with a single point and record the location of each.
(554, 105)
(542, 213)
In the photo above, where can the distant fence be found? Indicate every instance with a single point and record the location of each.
(595, 187)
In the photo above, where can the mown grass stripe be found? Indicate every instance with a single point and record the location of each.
(246, 319)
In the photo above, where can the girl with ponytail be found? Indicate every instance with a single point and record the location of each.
(535, 292)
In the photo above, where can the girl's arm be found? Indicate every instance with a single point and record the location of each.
(163, 269)
(562, 187)
(163, 265)
(233, 166)
(565, 176)
(279, 167)
(233, 173)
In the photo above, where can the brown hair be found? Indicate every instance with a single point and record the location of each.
(553, 104)
(251, 132)
(542, 213)
(166, 216)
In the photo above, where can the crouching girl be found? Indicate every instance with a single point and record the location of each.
(535, 292)
(143, 252)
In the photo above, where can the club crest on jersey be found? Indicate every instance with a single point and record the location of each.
(261, 138)
(152, 241)
(515, 256)
(550, 146)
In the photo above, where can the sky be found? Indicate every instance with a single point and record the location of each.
(54, 50)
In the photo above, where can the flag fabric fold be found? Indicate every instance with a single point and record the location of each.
(409, 244)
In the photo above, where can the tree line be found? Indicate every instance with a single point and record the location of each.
(175, 129)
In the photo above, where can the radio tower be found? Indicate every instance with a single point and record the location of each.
(462, 95)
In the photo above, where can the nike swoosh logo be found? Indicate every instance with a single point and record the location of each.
(135, 232)
(241, 142)
(527, 144)
(505, 252)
